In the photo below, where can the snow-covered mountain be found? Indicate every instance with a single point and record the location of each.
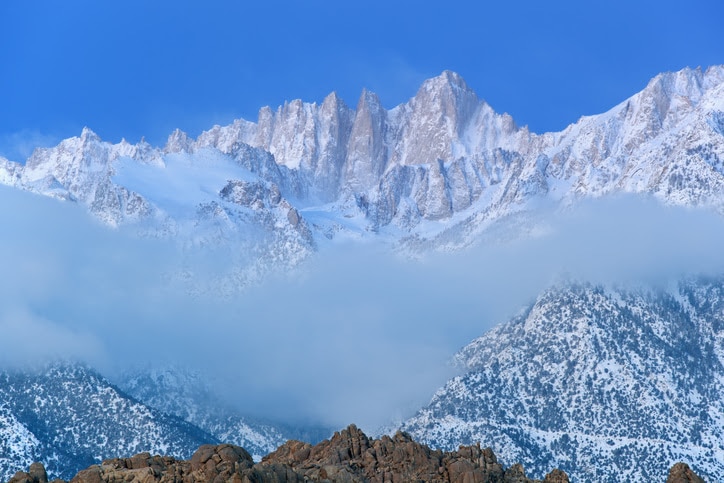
(69, 417)
(437, 169)
(609, 384)
(192, 397)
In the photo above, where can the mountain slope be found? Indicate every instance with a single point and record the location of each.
(69, 417)
(604, 383)
(189, 396)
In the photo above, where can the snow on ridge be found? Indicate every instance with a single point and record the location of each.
(183, 180)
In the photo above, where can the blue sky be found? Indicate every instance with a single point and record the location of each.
(137, 68)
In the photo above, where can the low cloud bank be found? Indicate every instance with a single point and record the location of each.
(18, 146)
(359, 335)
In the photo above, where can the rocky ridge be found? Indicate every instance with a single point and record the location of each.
(349, 456)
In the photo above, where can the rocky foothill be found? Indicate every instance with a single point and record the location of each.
(349, 456)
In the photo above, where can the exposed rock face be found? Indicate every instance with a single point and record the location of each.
(208, 464)
(681, 473)
(36, 474)
(349, 456)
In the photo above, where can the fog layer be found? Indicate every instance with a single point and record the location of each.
(358, 334)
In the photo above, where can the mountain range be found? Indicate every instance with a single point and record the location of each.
(589, 378)
(433, 172)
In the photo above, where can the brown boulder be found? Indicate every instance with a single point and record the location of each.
(681, 473)
(348, 457)
(35, 474)
(556, 476)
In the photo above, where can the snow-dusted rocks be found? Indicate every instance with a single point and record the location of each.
(187, 192)
(367, 152)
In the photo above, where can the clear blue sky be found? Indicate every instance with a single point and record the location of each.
(135, 68)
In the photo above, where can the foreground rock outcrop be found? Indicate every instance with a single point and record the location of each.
(348, 457)
(681, 473)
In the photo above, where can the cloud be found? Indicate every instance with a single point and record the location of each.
(627, 239)
(19, 145)
(358, 335)
(388, 75)
(28, 340)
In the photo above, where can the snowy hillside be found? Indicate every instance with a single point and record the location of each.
(191, 397)
(608, 384)
(69, 417)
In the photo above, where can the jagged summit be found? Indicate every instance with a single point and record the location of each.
(87, 135)
(688, 81)
(178, 141)
(449, 81)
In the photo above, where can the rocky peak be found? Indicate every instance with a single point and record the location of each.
(351, 456)
(713, 76)
(366, 152)
(223, 138)
(446, 95)
(265, 127)
(178, 141)
(333, 103)
(447, 81)
(368, 101)
(436, 121)
(689, 83)
(86, 136)
(667, 98)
